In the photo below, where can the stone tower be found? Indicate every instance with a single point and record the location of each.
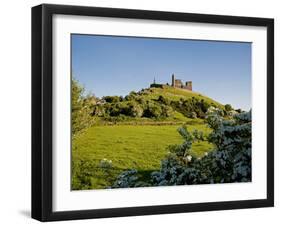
(173, 80)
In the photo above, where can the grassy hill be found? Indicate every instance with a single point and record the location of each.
(167, 105)
(133, 132)
(175, 94)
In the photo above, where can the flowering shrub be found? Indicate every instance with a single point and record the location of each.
(126, 179)
(229, 161)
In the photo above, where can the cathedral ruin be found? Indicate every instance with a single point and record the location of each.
(176, 83)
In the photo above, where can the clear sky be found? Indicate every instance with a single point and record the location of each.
(107, 65)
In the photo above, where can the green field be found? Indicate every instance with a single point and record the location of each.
(140, 147)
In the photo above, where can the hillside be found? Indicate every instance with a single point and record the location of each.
(166, 105)
(176, 94)
(114, 134)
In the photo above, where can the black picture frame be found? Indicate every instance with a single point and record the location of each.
(42, 111)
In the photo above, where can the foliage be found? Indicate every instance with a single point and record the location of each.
(192, 108)
(230, 161)
(152, 110)
(129, 179)
(98, 110)
(228, 107)
(153, 103)
(126, 179)
(128, 108)
(112, 99)
(81, 108)
(81, 174)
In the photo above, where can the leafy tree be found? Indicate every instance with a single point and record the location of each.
(135, 110)
(132, 95)
(152, 110)
(98, 110)
(80, 109)
(192, 108)
(112, 99)
(228, 107)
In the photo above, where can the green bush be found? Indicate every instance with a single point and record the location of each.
(167, 110)
(112, 99)
(153, 110)
(191, 108)
(228, 107)
(127, 108)
(132, 96)
(98, 110)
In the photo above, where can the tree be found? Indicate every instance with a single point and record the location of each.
(135, 110)
(228, 107)
(80, 110)
(152, 110)
(111, 99)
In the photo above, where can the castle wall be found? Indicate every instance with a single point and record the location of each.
(178, 83)
(189, 85)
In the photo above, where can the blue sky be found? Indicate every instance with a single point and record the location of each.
(107, 65)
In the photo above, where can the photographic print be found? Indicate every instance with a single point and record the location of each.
(139, 112)
(159, 112)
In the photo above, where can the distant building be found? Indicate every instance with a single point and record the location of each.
(176, 83)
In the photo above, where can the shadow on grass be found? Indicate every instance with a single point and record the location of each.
(145, 175)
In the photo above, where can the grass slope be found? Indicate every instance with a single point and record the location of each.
(176, 94)
(134, 143)
(127, 146)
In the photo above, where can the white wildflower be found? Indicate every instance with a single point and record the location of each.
(189, 157)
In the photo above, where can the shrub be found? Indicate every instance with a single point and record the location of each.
(134, 110)
(228, 107)
(112, 99)
(129, 179)
(230, 161)
(98, 110)
(132, 95)
(167, 111)
(190, 107)
(152, 110)
(126, 179)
